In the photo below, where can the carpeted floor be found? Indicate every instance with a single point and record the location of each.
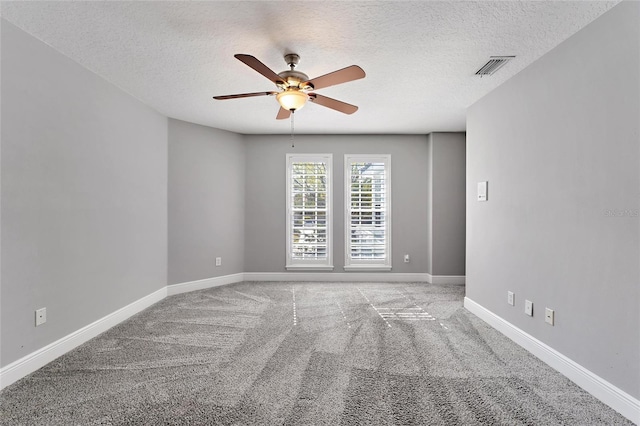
(259, 353)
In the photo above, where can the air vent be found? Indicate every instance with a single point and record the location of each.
(493, 65)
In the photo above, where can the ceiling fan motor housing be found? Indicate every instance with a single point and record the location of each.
(294, 79)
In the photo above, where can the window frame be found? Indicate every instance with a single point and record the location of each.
(309, 264)
(351, 264)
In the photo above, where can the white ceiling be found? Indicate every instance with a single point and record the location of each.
(420, 57)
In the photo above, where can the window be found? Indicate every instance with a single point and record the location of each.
(309, 211)
(368, 212)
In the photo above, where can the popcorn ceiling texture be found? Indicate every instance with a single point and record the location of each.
(235, 355)
(420, 57)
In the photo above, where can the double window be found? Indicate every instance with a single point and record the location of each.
(367, 212)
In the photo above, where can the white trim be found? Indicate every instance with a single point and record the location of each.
(356, 276)
(446, 279)
(336, 276)
(38, 359)
(309, 267)
(614, 397)
(362, 267)
(204, 284)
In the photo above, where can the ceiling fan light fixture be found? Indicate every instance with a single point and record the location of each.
(292, 99)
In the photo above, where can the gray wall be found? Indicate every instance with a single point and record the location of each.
(206, 202)
(446, 203)
(84, 196)
(559, 145)
(265, 196)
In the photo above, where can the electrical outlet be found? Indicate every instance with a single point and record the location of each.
(218, 261)
(511, 298)
(528, 307)
(41, 316)
(549, 315)
(406, 258)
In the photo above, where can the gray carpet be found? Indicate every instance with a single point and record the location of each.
(303, 354)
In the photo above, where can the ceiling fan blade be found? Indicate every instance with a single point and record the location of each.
(344, 75)
(283, 114)
(260, 67)
(244, 95)
(332, 103)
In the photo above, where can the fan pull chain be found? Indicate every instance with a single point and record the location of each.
(292, 114)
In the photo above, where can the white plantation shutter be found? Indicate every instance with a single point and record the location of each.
(309, 211)
(368, 208)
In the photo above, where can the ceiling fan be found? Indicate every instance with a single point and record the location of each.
(296, 86)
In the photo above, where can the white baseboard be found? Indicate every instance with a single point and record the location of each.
(355, 276)
(446, 279)
(614, 397)
(203, 284)
(38, 359)
(336, 276)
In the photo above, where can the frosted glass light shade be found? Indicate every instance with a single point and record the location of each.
(292, 99)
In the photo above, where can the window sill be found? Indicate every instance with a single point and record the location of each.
(309, 267)
(367, 268)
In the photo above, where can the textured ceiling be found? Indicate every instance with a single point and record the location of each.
(420, 57)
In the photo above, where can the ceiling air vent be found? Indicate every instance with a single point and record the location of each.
(493, 65)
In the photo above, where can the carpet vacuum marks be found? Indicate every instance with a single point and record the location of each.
(265, 353)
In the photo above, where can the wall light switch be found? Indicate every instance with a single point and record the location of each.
(482, 191)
